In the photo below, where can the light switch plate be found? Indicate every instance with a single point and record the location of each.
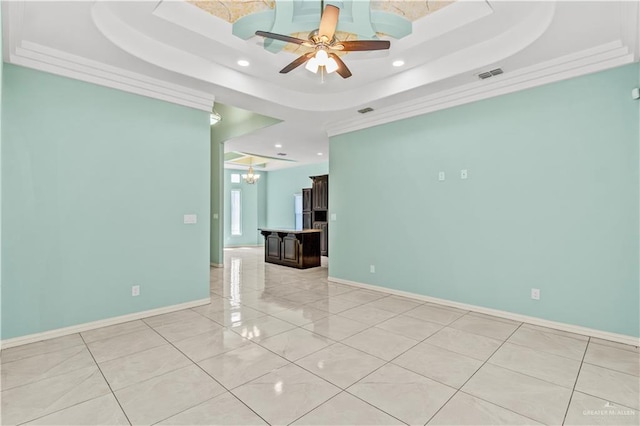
(333, 216)
(441, 176)
(190, 219)
(215, 215)
(463, 174)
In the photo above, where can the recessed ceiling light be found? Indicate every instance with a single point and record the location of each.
(319, 153)
(278, 145)
(398, 63)
(243, 63)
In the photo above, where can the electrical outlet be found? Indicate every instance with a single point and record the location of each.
(135, 290)
(372, 269)
(463, 174)
(535, 293)
(441, 176)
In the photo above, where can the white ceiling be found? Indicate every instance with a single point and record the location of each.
(175, 51)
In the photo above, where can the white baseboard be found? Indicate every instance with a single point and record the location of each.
(621, 338)
(59, 332)
(217, 265)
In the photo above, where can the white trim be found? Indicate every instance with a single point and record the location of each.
(59, 332)
(621, 338)
(599, 58)
(217, 265)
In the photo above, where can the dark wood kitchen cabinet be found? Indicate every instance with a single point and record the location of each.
(320, 211)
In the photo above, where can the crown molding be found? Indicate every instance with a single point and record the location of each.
(33, 55)
(588, 61)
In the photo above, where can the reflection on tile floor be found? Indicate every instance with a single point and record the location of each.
(282, 346)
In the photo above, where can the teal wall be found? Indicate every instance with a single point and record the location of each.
(95, 183)
(235, 122)
(252, 207)
(282, 186)
(1, 82)
(551, 203)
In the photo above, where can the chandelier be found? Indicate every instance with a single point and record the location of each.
(251, 177)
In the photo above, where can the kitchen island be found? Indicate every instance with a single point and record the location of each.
(297, 249)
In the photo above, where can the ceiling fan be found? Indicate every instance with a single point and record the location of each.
(324, 43)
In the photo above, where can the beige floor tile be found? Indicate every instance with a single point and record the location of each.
(464, 409)
(408, 396)
(367, 314)
(552, 343)
(346, 410)
(262, 328)
(189, 328)
(556, 331)
(103, 410)
(493, 318)
(410, 327)
(551, 368)
(167, 395)
(229, 317)
(485, 327)
(613, 358)
(242, 365)
(295, 344)
(302, 315)
(224, 409)
(272, 305)
(305, 296)
(588, 410)
(39, 367)
(395, 304)
(340, 364)
(285, 394)
(334, 305)
(125, 344)
(439, 364)
(608, 384)
(171, 317)
(128, 370)
(468, 344)
(336, 327)
(432, 313)
(42, 347)
(210, 344)
(38, 399)
(361, 296)
(113, 331)
(218, 304)
(616, 345)
(530, 397)
(380, 343)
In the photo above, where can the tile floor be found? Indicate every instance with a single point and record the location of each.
(282, 346)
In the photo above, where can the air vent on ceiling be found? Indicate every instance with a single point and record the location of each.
(282, 154)
(487, 74)
(365, 110)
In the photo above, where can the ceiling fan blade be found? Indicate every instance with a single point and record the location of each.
(361, 45)
(281, 37)
(342, 68)
(329, 22)
(299, 61)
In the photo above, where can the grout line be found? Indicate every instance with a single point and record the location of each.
(584, 354)
(213, 378)
(474, 373)
(105, 380)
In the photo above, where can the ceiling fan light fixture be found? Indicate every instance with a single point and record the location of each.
(331, 65)
(312, 65)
